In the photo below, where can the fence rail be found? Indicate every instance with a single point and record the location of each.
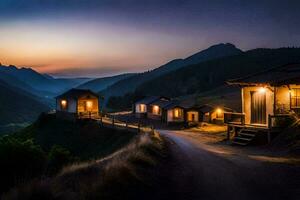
(234, 118)
(111, 121)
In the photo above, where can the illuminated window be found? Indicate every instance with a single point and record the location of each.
(142, 108)
(63, 104)
(219, 112)
(177, 113)
(155, 110)
(89, 105)
(295, 98)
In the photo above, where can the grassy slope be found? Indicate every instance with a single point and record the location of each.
(130, 173)
(84, 139)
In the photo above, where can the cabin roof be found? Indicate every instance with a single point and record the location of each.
(150, 99)
(77, 93)
(162, 102)
(173, 104)
(282, 75)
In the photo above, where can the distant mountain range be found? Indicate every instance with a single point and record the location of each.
(207, 75)
(18, 106)
(99, 84)
(130, 84)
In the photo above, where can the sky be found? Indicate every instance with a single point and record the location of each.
(71, 38)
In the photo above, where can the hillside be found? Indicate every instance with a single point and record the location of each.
(99, 84)
(39, 84)
(130, 84)
(211, 74)
(207, 79)
(44, 148)
(18, 106)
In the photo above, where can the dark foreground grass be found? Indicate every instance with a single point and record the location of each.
(130, 173)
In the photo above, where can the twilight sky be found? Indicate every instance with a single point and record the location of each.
(105, 37)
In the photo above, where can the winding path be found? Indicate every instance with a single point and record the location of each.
(202, 171)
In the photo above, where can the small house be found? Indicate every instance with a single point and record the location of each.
(77, 103)
(155, 109)
(267, 96)
(173, 113)
(212, 114)
(142, 106)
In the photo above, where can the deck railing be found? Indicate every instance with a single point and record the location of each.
(234, 118)
(279, 120)
(88, 115)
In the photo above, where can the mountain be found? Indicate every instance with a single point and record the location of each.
(207, 79)
(99, 84)
(18, 106)
(36, 83)
(208, 75)
(130, 84)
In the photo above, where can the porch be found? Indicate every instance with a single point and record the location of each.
(243, 133)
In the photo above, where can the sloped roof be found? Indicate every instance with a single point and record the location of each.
(151, 99)
(77, 93)
(148, 100)
(162, 102)
(286, 74)
(173, 104)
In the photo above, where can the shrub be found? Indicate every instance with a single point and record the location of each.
(58, 157)
(20, 162)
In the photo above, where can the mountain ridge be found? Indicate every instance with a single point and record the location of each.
(130, 84)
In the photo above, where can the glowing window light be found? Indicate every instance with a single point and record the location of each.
(142, 108)
(262, 90)
(89, 104)
(155, 110)
(219, 112)
(176, 112)
(63, 104)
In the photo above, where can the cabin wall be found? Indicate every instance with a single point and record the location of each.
(82, 105)
(171, 118)
(138, 108)
(189, 116)
(247, 102)
(282, 99)
(71, 105)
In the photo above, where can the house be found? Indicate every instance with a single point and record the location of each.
(206, 113)
(77, 103)
(173, 113)
(155, 109)
(142, 106)
(266, 97)
(212, 114)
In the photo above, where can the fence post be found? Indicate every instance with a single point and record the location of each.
(113, 121)
(228, 132)
(126, 124)
(269, 127)
(139, 126)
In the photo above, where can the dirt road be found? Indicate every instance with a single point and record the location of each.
(205, 171)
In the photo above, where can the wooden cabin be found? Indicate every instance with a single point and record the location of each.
(212, 113)
(267, 97)
(155, 110)
(206, 113)
(77, 103)
(142, 106)
(173, 113)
